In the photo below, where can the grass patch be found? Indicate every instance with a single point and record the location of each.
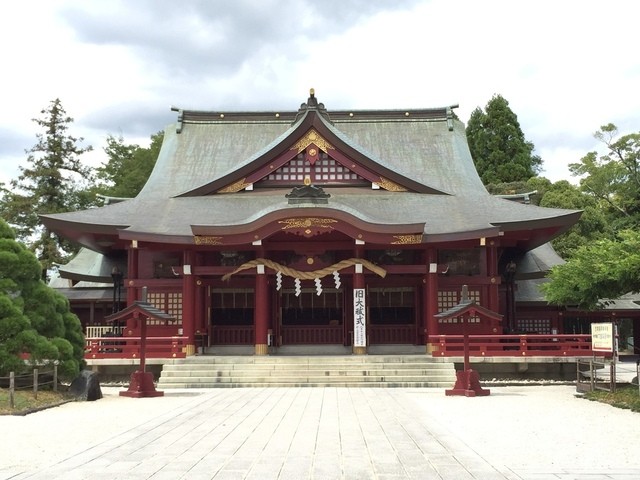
(25, 402)
(625, 397)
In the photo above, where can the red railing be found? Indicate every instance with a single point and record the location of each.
(129, 347)
(392, 334)
(232, 335)
(292, 335)
(513, 345)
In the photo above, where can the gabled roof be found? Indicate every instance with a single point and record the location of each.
(140, 308)
(205, 154)
(468, 307)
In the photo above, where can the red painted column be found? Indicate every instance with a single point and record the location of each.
(188, 302)
(261, 311)
(493, 302)
(431, 297)
(132, 272)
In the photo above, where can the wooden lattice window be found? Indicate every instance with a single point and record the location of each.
(450, 298)
(324, 171)
(534, 325)
(168, 302)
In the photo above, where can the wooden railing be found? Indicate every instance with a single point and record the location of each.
(392, 334)
(232, 335)
(94, 331)
(513, 345)
(129, 347)
(320, 334)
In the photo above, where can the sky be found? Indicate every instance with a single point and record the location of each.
(566, 67)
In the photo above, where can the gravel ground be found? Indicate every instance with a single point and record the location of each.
(533, 426)
(516, 427)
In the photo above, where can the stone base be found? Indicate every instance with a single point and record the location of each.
(431, 348)
(262, 349)
(359, 350)
(467, 384)
(141, 385)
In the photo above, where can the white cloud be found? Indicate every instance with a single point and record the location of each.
(565, 67)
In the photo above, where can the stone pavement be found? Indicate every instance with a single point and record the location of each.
(310, 433)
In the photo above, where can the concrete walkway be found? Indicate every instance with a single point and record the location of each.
(526, 433)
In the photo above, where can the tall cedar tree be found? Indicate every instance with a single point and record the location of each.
(498, 147)
(50, 183)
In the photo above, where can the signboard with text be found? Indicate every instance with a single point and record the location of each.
(359, 318)
(602, 337)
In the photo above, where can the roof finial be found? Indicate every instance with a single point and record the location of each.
(313, 101)
(465, 294)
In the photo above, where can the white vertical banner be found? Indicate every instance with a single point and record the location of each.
(359, 318)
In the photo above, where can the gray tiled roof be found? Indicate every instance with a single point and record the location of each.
(426, 147)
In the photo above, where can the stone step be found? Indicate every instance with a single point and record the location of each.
(343, 384)
(301, 373)
(308, 359)
(296, 378)
(425, 368)
(314, 370)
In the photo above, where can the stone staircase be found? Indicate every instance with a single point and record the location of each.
(307, 371)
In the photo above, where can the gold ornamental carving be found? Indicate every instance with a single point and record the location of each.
(407, 239)
(390, 186)
(235, 187)
(312, 137)
(207, 240)
(307, 222)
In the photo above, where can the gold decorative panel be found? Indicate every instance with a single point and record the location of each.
(235, 187)
(207, 240)
(390, 186)
(312, 137)
(407, 239)
(307, 222)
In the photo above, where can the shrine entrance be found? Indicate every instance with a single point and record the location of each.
(311, 319)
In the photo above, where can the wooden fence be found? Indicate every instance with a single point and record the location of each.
(129, 347)
(34, 380)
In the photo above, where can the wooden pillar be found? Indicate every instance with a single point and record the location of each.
(188, 301)
(359, 283)
(493, 302)
(199, 308)
(430, 293)
(132, 272)
(261, 311)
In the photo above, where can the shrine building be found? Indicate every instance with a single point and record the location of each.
(349, 229)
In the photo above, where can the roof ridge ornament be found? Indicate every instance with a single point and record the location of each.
(312, 104)
(308, 194)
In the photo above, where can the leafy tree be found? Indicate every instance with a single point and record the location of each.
(593, 224)
(614, 177)
(498, 146)
(128, 166)
(607, 268)
(51, 183)
(34, 318)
